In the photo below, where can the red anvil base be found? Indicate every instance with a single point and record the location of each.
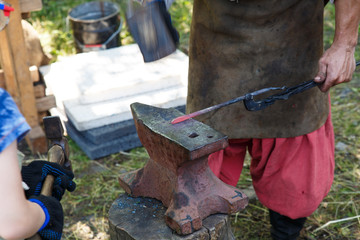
(177, 172)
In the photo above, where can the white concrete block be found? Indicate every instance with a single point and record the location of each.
(97, 88)
(93, 115)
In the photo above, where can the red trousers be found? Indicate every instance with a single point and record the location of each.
(290, 176)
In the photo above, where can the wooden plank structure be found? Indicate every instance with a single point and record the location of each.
(30, 5)
(18, 78)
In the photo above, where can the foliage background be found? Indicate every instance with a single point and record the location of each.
(87, 208)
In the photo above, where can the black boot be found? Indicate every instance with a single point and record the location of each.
(285, 228)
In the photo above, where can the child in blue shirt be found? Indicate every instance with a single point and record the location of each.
(22, 214)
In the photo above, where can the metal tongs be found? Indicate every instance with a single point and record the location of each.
(251, 104)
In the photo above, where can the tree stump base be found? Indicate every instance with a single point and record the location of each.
(138, 218)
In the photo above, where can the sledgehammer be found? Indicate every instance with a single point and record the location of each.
(58, 153)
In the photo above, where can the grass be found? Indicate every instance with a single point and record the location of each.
(86, 209)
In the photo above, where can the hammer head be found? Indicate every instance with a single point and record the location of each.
(53, 128)
(54, 132)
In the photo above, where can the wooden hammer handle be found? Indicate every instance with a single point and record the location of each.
(56, 155)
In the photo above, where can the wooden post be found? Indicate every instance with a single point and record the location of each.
(14, 62)
(30, 5)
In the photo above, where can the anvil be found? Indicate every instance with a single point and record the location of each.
(177, 172)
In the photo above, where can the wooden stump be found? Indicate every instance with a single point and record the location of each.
(142, 218)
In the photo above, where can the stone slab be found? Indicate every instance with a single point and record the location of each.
(109, 132)
(108, 139)
(88, 116)
(96, 88)
(113, 131)
(138, 218)
(95, 151)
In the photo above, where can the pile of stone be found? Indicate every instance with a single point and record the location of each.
(94, 91)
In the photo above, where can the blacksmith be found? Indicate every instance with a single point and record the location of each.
(239, 46)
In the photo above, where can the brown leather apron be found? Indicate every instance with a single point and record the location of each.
(239, 46)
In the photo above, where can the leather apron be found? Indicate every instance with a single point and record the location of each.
(239, 46)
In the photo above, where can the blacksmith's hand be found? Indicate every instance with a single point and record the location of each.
(54, 217)
(336, 66)
(35, 173)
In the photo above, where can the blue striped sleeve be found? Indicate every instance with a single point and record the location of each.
(13, 125)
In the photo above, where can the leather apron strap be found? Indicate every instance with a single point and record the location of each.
(241, 46)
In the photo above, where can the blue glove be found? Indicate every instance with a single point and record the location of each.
(54, 217)
(35, 173)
